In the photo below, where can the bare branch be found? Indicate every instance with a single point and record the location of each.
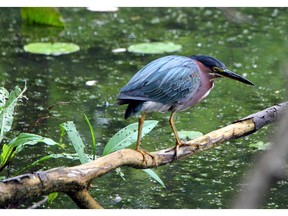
(37, 204)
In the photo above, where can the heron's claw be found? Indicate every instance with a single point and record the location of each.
(144, 152)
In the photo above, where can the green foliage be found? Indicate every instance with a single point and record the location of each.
(29, 139)
(8, 102)
(93, 144)
(52, 197)
(123, 139)
(42, 16)
(153, 175)
(6, 154)
(55, 49)
(18, 143)
(76, 140)
(154, 48)
(127, 136)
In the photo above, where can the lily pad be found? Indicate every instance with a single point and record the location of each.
(55, 49)
(154, 48)
(189, 135)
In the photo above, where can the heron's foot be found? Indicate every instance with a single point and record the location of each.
(144, 153)
(176, 148)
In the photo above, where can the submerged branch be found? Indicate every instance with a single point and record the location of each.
(75, 181)
(84, 200)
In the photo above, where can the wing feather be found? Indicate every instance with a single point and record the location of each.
(167, 80)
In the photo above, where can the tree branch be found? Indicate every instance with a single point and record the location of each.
(84, 200)
(75, 181)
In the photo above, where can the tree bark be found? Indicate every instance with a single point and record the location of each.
(75, 181)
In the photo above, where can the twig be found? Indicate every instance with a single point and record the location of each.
(37, 204)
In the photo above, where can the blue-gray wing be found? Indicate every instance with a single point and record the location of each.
(167, 80)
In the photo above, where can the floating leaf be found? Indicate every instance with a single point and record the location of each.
(261, 145)
(42, 15)
(127, 136)
(189, 135)
(154, 47)
(55, 49)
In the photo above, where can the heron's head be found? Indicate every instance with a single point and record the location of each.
(218, 68)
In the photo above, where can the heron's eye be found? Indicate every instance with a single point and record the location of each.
(217, 70)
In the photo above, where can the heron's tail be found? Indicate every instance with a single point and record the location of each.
(134, 106)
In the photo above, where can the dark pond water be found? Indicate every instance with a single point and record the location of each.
(251, 41)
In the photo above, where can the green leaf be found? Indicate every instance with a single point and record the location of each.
(4, 95)
(6, 154)
(29, 139)
(92, 137)
(127, 136)
(55, 49)
(52, 197)
(261, 145)
(154, 48)
(76, 141)
(154, 176)
(7, 104)
(18, 143)
(42, 15)
(189, 135)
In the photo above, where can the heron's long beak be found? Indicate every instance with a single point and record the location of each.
(231, 75)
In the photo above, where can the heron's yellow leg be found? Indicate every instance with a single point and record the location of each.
(178, 141)
(142, 151)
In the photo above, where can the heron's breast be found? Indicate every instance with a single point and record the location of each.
(152, 106)
(206, 84)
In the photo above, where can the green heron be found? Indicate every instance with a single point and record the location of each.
(171, 83)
